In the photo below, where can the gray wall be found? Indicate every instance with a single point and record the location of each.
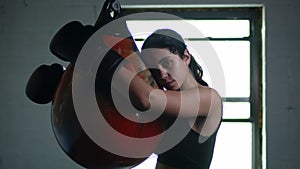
(26, 27)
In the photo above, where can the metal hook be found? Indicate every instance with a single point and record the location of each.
(110, 11)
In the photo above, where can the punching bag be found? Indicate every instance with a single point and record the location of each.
(69, 133)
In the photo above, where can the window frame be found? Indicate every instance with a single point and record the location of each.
(253, 13)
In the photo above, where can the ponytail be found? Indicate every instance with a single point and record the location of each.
(197, 71)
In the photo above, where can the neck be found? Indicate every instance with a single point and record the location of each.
(189, 83)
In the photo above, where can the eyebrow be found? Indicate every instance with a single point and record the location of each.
(163, 59)
(159, 62)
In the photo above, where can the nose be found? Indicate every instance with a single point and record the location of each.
(163, 73)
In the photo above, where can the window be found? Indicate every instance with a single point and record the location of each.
(235, 34)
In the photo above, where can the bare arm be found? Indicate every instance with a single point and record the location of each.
(198, 101)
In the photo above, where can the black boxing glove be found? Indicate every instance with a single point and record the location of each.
(43, 82)
(69, 40)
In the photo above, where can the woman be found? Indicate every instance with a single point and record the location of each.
(182, 94)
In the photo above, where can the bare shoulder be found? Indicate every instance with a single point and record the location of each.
(208, 89)
(211, 98)
(209, 120)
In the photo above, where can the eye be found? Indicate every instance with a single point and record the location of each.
(167, 63)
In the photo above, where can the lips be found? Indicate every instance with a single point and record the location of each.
(170, 83)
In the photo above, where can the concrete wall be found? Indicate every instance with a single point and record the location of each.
(27, 26)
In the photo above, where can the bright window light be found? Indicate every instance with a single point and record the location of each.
(235, 60)
(234, 57)
(236, 110)
(233, 149)
(149, 163)
(208, 28)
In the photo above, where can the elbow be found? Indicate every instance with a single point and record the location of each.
(154, 99)
(140, 103)
(144, 104)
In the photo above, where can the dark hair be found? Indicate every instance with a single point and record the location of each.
(167, 38)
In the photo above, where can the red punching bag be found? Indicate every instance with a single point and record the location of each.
(68, 131)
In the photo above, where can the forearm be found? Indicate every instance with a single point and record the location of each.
(128, 83)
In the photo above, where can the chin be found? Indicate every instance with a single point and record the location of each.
(175, 88)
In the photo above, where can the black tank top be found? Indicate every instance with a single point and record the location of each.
(189, 153)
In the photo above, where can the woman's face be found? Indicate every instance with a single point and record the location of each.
(169, 70)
